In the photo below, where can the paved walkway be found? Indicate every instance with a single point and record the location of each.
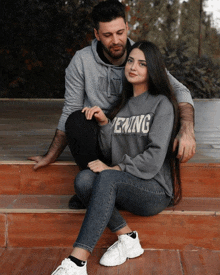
(28, 126)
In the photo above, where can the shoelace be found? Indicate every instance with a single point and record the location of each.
(117, 244)
(65, 265)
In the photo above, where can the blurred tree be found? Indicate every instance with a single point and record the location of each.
(157, 21)
(189, 22)
(39, 38)
(196, 24)
(170, 27)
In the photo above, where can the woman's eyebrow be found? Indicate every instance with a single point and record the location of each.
(140, 60)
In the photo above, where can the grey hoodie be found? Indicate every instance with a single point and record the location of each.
(91, 82)
(138, 138)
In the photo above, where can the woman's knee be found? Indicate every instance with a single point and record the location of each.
(113, 175)
(84, 181)
(108, 178)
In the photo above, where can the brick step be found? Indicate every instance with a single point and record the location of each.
(45, 221)
(199, 179)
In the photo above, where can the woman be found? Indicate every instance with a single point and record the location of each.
(144, 174)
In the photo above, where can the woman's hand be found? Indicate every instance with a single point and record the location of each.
(97, 113)
(98, 166)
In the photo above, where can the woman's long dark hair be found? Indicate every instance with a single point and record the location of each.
(158, 85)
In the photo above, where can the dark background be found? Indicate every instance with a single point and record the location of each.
(39, 38)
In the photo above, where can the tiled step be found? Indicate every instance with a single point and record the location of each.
(42, 261)
(45, 221)
(199, 179)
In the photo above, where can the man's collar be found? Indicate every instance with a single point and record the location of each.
(101, 54)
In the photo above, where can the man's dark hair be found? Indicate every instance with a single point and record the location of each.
(106, 11)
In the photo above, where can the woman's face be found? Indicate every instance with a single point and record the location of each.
(136, 68)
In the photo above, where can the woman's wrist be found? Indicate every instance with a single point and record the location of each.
(116, 167)
(103, 123)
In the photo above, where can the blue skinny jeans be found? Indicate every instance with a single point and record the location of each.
(101, 192)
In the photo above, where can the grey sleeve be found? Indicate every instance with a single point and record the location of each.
(181, 92)
(105, 139)
(147, 164)
(74, 90)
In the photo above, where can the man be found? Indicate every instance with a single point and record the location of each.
(94, 78)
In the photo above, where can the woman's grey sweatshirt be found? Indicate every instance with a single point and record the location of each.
(138, 138)
(91, 82)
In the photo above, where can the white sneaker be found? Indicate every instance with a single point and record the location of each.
(126, 247)
(68, 267)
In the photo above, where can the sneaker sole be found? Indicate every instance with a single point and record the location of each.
(135, 254)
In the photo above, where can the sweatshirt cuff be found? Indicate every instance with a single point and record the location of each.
(122, 166)
(106, 126)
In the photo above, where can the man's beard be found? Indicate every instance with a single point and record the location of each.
(114, 54)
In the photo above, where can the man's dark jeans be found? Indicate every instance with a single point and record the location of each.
(82, 137)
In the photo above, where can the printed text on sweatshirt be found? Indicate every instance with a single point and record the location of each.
(132, 125)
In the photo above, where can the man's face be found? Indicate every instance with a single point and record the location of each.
(113, 36)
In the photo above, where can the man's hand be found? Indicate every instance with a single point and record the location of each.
(56, 148)
(98, 166)
(187, 145)
(185, 139)
(41, 161)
